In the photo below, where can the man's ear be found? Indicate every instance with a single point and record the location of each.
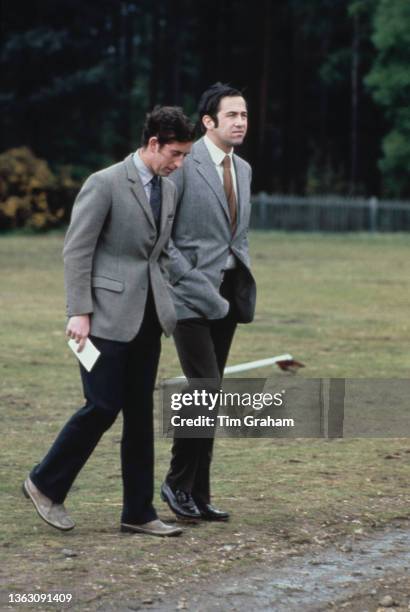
(208, 122)
(152, 143)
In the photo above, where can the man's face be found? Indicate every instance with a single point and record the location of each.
(232, 123)
(166, 158)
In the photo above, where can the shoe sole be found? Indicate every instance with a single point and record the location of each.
(26, 493)
(180, 517)
(135, 529)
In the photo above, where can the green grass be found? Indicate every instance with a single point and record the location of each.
(340, 304)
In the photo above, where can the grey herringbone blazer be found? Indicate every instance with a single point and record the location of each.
(112, 251)
(202, 239)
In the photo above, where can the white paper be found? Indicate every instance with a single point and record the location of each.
(88, 355)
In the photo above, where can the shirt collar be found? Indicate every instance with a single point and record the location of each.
(145, 173)
(217, 155)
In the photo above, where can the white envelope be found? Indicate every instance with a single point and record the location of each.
(88, 355)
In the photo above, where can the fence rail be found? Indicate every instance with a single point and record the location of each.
(329, 213)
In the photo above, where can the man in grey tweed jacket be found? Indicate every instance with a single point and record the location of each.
(118, 294)
(212, 285)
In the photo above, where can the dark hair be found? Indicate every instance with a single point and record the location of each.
(210, 99)
(167, 123)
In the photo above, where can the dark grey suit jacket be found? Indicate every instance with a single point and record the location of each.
(202, 239)
(112, 251)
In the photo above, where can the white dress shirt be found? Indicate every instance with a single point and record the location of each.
(217, 156)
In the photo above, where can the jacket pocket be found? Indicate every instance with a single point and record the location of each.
(102, 282)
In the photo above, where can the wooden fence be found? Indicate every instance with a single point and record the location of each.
(329, 214)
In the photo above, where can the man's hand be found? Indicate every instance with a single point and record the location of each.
(78, 328)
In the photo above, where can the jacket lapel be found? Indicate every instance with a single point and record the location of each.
(166, 201)
(138, 190)
(207, 169)
(241, 183)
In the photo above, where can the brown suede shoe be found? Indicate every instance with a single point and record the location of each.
(156, 528)
(53, 514)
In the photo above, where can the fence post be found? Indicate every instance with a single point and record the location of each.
(373, 206)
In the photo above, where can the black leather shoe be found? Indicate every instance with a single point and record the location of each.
(180, 502)
(210, 513)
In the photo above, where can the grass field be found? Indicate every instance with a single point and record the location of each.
(340, 304)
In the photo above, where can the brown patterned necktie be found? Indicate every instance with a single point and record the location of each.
(230, 191)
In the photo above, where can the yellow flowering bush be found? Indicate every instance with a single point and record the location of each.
(30, 194)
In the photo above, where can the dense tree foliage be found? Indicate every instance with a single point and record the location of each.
(390, 82)
(77, 78)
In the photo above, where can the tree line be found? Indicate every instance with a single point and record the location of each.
(327, 83)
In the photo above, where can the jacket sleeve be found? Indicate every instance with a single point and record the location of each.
(89, 213)
(178, 265)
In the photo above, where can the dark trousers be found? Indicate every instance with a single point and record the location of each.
(122, 379)
(203, 346)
